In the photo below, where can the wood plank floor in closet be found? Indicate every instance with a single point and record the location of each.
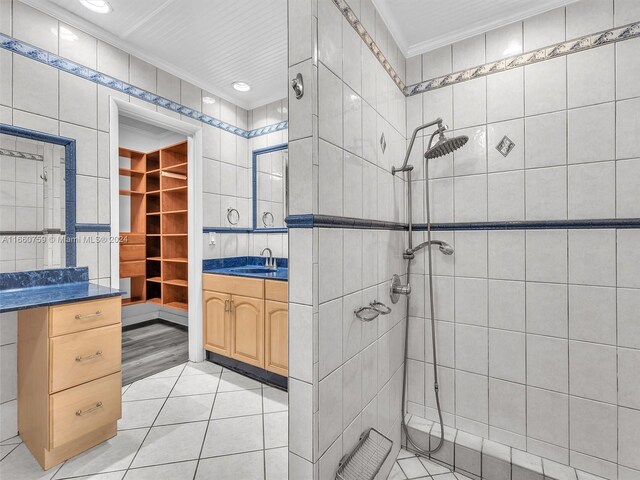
(152, 348)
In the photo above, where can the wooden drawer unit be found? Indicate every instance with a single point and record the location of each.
(133, 269)
(132, 252)
(84, 356)
(80, 410)
(276, 290)
(69, 377)
(75, 317)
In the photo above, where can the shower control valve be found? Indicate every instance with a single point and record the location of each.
(398, 289)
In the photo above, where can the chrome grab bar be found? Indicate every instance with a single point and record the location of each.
(89, 315)
(80, 413)
(80, 358)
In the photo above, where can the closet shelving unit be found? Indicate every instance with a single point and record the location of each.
(164, 218)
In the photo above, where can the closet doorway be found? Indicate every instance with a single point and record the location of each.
(155, 196)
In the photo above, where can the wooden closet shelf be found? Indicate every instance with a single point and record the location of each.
(175, 234)
(154, 279)
(176, 260)
(178, 282)
(173, 212)
(153, 213)
(157, 301)
(127, 172)
(174, 189)
(132, 301)
(155, 259)
(130, 192)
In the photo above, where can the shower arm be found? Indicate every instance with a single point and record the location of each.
(405, 167)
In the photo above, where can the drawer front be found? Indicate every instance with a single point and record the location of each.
(247, 287)
(128, 238)
(276, 290)
(80, 410)
(133, 269)
(75, 317)
(132, 252)
(80, 357)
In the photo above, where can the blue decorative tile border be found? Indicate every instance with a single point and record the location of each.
(93, 227)
(53, 60)
(587, 42)
(354, 21)
(329, 221)
(42, 278)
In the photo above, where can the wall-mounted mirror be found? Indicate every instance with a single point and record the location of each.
(270, 193)
(37, 204)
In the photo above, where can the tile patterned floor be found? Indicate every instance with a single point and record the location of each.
(410, 466)
(193, 421)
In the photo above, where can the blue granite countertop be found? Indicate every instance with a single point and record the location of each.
(17, 293)
(252, 267)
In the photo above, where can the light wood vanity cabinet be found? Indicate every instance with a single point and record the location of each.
(247, 319)
(69, 377)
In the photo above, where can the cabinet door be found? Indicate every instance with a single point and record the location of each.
(217, 322)
(247, 330)
(276, 355)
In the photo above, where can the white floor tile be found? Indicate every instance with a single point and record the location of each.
(139, 414)
(19, 464)
(274, 400)
(434, 468)
(276, 429)
(99, 476)
(200, 368)
(412, 467)
(113, 455)
(233, 435)
(232, 381)
(12, 441)
(7, 449)
(235, 404)
(194, 408)
(171, 443)
(171, 471)
(149, 388)
(245, 466)
(276, 463)
(195, 385)
(396, 473)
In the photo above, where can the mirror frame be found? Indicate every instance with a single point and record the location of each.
(69, 145)
(254, 155)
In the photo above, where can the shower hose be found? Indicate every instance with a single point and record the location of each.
(411, 441)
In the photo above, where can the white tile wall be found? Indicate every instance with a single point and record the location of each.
(544, 332)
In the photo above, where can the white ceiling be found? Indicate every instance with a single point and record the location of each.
(422, 25)
(211, 43)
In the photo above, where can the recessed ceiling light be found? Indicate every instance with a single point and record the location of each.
(209, 100)
(65, 33)
(241, 86)
(98, 6)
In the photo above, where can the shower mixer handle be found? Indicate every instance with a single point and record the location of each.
(398, 289)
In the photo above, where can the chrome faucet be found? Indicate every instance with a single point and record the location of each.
(270, 262)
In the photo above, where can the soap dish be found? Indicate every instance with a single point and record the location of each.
(366, 459)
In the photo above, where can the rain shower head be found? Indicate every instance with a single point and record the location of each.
(445, 146)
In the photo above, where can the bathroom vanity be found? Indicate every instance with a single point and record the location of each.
(245, 317)
(69, 360)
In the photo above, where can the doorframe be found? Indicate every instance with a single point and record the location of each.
(118, 107)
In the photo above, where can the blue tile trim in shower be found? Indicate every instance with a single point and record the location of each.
(328, 221)
(226, 230)
(22, 48)
(42, 278)
(69, 145)
(93, 227)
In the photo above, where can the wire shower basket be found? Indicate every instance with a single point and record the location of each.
(366, 459)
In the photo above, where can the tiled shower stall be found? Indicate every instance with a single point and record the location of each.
(536, 312)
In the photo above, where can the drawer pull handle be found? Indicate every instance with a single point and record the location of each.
(89, 315)
(89, 357)
(81, 413)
